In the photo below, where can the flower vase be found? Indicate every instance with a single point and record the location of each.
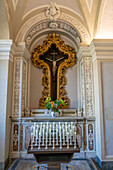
(52, 113)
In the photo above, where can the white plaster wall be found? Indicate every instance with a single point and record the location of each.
(4, 28)
(35, 86)
(71, 87)
(107, 80)
(3, 103)
(9, 109)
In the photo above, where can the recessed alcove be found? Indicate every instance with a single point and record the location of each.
(36, 76)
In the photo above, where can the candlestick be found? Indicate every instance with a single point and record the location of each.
(39, 141)
(75, 140)
(37, 131)
(50, 135)
(31, 140)
(70, 138)
(59, 128)
(63, 137)
(34, 130)
(46, 140)
(53, 136)
(67, 140)
(32, 145)
(36, 138)
(56, 134)
(57, 137)
(60, 141)
(43, 134)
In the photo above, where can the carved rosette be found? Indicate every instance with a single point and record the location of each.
(40, 50)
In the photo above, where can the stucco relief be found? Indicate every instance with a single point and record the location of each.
(83, 31)
(45, 25)
(22, 32)
(16, 96)
(89, 86)
(63, 17)
(82, 86)
(53, 12)
(24, 85)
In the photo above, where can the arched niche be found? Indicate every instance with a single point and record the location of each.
(40, 50)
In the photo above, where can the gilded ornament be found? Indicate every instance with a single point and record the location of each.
(61, 80)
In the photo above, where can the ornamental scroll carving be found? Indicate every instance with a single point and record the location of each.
(61, 79)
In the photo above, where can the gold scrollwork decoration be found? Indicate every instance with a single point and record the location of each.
(61, 79)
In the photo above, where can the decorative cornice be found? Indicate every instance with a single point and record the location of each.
(22, 51)
(102, 49)
(44, 26)
(5, 50)
(64, 18)
(79, 26)
(24, 29)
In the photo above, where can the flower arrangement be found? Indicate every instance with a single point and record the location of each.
(54, 105)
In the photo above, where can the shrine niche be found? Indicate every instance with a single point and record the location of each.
(54, 57)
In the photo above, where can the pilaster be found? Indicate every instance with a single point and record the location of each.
(20, 84)
(86, 81)
(6, 71)
(102, 55)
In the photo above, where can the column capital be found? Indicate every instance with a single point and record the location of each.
(83, 51)
(22, 51)
(5, 49)
(101, 49)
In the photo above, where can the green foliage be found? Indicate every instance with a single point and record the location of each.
(48, 99)
(54, 105)
(62, 102)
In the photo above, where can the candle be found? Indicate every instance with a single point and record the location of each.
(50, 135)
(56, 134)
(70, 138)
(75, 140)
(60, 141)
(43, 134)
(37, 131)
(34, 130)
(39, 141)
(71, 125)
(67, 140)
(53, 136)
(32, 145)
(31, 140)
(63, 137)
(36, 138)
(46, 140)
(59, 128)
(57, 137)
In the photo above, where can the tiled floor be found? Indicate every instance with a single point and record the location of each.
(76, 164)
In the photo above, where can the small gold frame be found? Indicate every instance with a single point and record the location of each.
(61, 79)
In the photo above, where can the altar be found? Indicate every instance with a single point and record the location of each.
(46, 75)
(53, 142)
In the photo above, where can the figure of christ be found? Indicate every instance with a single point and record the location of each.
(54, 62)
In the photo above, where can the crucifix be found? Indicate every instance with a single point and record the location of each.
(53, 57)
(54, 62)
